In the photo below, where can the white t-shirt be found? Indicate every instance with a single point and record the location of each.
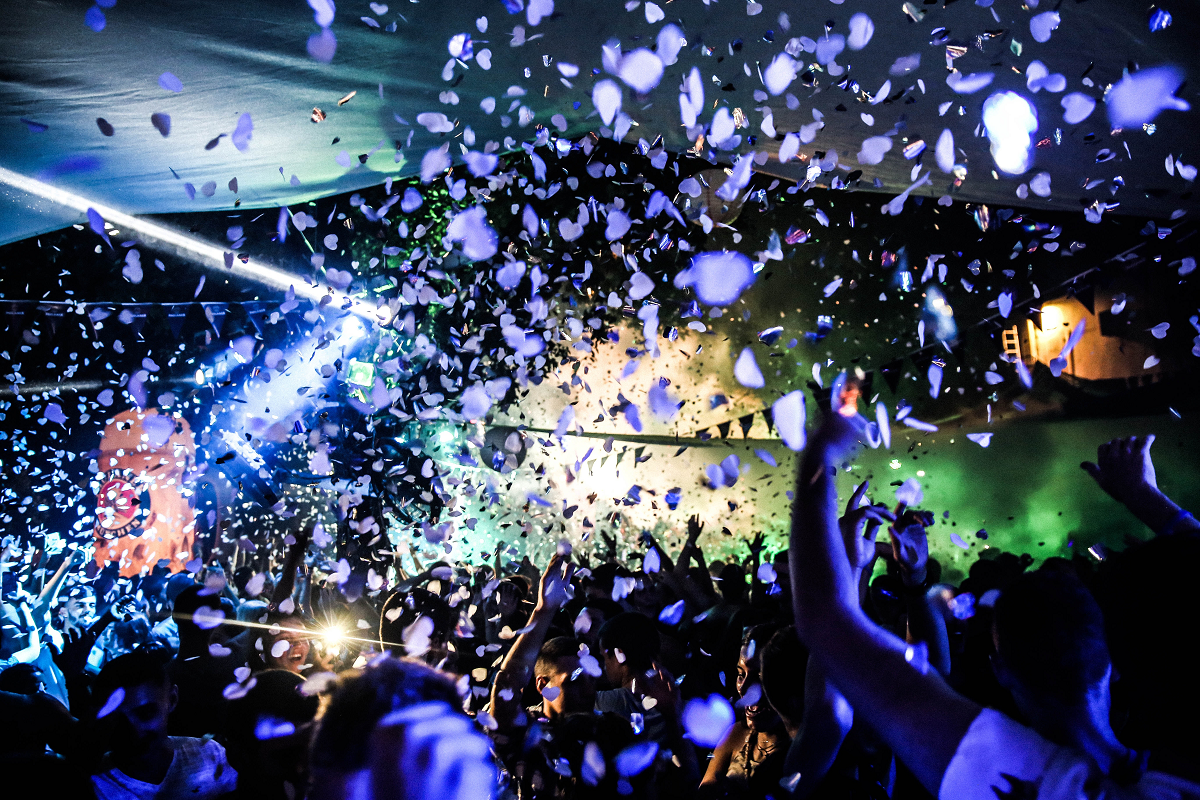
(198, 771)
(1000, 758)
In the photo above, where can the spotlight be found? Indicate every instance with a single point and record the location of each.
(210, 256)
(1010, 121)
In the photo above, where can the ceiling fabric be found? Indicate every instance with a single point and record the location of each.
(58, 77)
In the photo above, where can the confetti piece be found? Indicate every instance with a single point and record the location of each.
(112, 703)
(435, 122)
(94, 19)
(788, 413)
(242, 133)
(162, 123)
(673, 613)
(641, 70)
(747, 372)
(969, 84)
(606, 97)
(885, 427)
(861, 31)
(1138, 98)
(910, 493)
(1044, 24)
(170, 83)
(470, 227)
(780, 73)
(874, 149)
(1010, 121)
(670, 41)
(322, 46)
(708, 721)
(718, 277)
(1077, 107)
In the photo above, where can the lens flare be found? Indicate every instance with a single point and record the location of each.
(1010, 121)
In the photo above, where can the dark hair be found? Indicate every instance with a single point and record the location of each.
(187, 603)
(604, 575)
(1149, 599)
(557, 648)
(20, 679)
(275, 696)
(608, 608)
(783, 665)
(732, 583)
(361, 698)
(413, 604)
(142, 667)
(635, 635)
(754, 641)
(176, 585)
(1049, 633)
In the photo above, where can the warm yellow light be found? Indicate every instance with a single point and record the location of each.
(1052, 318)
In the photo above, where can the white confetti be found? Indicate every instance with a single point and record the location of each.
(788, 414)
(747, 372)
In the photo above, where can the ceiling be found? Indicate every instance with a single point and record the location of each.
(58, 76)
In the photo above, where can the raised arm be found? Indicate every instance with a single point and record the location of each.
(517, 670)
(48, 594)
(910, 549)
(291, 562)
(1124, 470)
(912, 709)
(828, 717)
(756, 585)
(827, 720)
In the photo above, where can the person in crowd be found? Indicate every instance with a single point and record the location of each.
(134, 697)
(749, 761)
(268, 731)
(286, 644)
(207, 662)
(953, 747)
(1051, 655)
(396, 731)
(848, 676)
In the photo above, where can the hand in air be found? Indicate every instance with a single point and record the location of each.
(757, 544)
(553, 591)
(1123, 468)
(860, 525)
(659, 684)
(910, 548)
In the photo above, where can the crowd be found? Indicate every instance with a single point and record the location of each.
(810, 672)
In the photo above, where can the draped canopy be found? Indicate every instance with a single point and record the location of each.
(58, 77)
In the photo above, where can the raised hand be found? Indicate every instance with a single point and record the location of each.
(1124, 469)
(860, 525)
(659, 684)
(910, 546)
(610, 542)
(757, 544)
(554, 589)
(695, 528)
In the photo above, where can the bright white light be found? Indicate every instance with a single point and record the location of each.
(1010, 121)
(202, 252)
(199, 377)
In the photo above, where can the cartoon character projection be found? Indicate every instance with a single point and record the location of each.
(142, 515)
